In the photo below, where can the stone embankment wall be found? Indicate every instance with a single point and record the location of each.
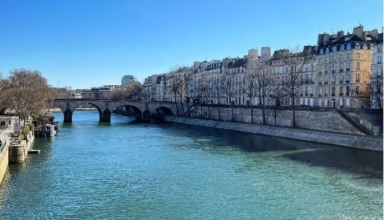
(326, 120)
(345, 140)
(4, 159)
(18, 150)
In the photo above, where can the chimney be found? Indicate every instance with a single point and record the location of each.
(358, 31)
(340, 34)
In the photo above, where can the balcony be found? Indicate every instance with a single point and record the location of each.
(346, 81)
(341, 82)
(320, 83)
(357, 68)
(333, 94)
(319, 95)
(325, 94)
(341, 70)
(347, 94)
(325, 72)
(301, 94)
(320, 73)
(333, 82)
(378, 62)
(333, 71)
(341, 94)
(325, 83)
(357, 80)
(347, 69)
(310, 95)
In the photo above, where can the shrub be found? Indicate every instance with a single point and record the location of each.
(26, 130)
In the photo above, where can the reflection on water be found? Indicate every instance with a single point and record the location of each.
(126, 170)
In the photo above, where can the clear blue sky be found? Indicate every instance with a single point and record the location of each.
(83, 43)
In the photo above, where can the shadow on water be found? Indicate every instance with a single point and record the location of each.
(245, 141)
(367, 164)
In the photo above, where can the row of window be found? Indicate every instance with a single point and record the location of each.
(341, 47)
(342, 56)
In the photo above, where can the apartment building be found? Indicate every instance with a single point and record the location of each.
(377, 74)
(343, 68)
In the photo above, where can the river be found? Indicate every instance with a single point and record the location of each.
(127, 170)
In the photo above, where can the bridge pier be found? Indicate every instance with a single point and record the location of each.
(105, 116)
(68, 116)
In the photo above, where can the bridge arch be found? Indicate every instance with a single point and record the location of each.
(69, 107)
(134, 109)
(164, 111)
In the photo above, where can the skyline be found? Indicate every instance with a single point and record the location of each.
(64, 40)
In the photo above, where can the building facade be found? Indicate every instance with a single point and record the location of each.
(126, 79)
(338, 72)
(344, 68)
(377, 74)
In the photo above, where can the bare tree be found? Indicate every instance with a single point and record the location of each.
(293, 60)
(28, 92)
(250, 87)
(261, 71)
(61, 93)
(276, 93)
(133, 91)
(229, 89)
(376, 91)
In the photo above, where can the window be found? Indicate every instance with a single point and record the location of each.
(341, 89)
(357, 90)
(334, 49)
(322, 60)
(348, 46)
(333, 66)
(379, 49)
(341, 66)
(379, 59)
(326, 59)
(327, 50)
(379, 71)
(357, 55)
(357, 45)
(348, 55)
(357, 77)
(321, 51)
(342, 47)
(347, 89)
(334, 57)
(341, 56)
(348, 65)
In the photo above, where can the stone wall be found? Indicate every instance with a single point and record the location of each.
(4, 161)
(326, 120)
(345, 140)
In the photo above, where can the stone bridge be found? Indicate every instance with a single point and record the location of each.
(143, 110)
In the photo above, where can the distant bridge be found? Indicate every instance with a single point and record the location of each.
(143, 110)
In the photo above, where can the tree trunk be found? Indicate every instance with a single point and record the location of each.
(263, 106)
(251, 113)
(232, 112)
(293, 112)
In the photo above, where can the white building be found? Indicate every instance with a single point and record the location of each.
(125, 80)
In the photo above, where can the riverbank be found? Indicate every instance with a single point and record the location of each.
(5, 134)
(344, 140)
